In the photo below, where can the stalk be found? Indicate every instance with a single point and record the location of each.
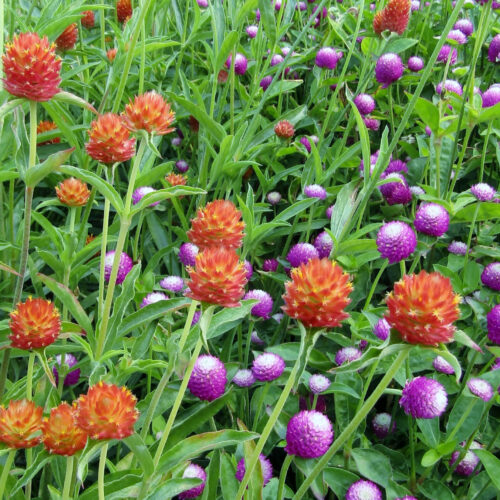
(68, 477)
(375, 283)
(6, 470)
(284, 470)
(102, 467)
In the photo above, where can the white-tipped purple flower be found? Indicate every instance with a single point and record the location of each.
(415, 5)
(365, 103)
(268, 366)
(301, 253)
(244, 378)
(424, 398)
(309, 434)
(480, 388)
(363, 490)
(270, 265)
(491, 96)
(73, 376)
(323, 243)
(382, 329)
(406, 497)
(398, 166)
(493, 324)
(327, 57)
(194, 471)
(278, 317)
(265, 82)
(256, 339)
(240, 63)
(202, 3)
(470, 461)
(248, 269)
(188, 253)
(273, 197)
(318, 383)
(483, 191)
(266, 466)
(182, 166)
(449, 86)
(465, 26)
(371, 123)
(329, 211)
(415, 64)
(277, 59)
(494, 49)
(176, 142)
(315, 191)
(208, 379)
(382, 424)
(432, 219)
(124, 266)
(490, 276)
(389, 69)
(265, 305)
(396, 241)
(142, 191)
(172, 283)
(447, 52)
(441, 365)
(252, 30)
(397, 192)
(457, 36)
(347, 354)
(457, 247)
(496, 364)
(416, 191)
(152, 298)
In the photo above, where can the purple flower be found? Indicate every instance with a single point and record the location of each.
(305, 142)
(176, 142)
(73, 376)
(457, 36)
(188, 253)
(371, 123)
(323, 243)
(441, 365)
(428, 130)
(202, 3)
(382, 329)
(406, 497)
(152, 298)
(415, 5)
(265, 305)
(491, 96)
(457, 247)
(432, 219)
(424, 398)
(363, 490)
(494, 49)
(470, 461)
(208, 379)
(490, 276)
(240, 63)
(415, 64)
(142, 191)
(496, 364)
(444, 54)
(265, 82)
(196, 318)
(182, 166)
(465, 26)
(365, 103)
(483, 191)
(194, 471)
(315, 191)
(252, 30)
(172, 283)
(480, 388)
(346, 355)
(270, 265)
(493, 322)
(244, 378)
(395, 192)
(389, 68)
(277, 59)
(268, 366)
(301, 253)
(396, 241)
(327, 57)
(416, 191)
(329, 211)
(309, 434)
(396, 166)
(267, 469)
(382, 424)
(256, 339)
(124, 267)
(449, 86)
(273, 197)
(318, 383)
(248, 269)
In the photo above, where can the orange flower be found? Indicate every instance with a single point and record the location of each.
(110, 140)
(45, 126)
(284, 129)
(394, 17)
(318, 293)
(67, 39)
(20, 423)
(217, 278)
(73, 192)
(88, 19)
(123, 10)
(149, 112)
(107, 412)
(31, 67)
(111, 54)
(219, 223)
(60, 434)
(423, 307)
(34, 324)
(176, 179)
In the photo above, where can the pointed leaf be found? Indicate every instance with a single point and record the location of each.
(37, 173)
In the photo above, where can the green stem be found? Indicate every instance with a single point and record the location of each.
(485, 149)
(375, 283)
(180, 213)
(469, 238)
(103, 31)
(468, 132)
(284, 470)
(437, 147)
(260, 404)
(6, 470)
(413, 474)
(29, 377)
(135, 250)
(68, 477)
(459, 424)
(102, 467)
(248, 344)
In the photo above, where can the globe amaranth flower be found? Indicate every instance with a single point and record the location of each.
(268, 366)
(493, 323)
(240, 64)
(469, 462)
(270, 265)
(301, 253)
(424, 397)
(323, 243)
(252, 30)
(396, 241)
(318, 293)
(273, 197)
(371, 123)
(255, 337)
(218, 223)
(365, 103)
(34, 324)
(491, 97)
(399, 166)
(124, 266)
(265, 82)
(182, 166)
(188, 253)
(441, 365)
(383, 424)
(111, 54)
(309, 434)
(194, 471)
(415, 64)
(393, 17)
(432, 219)
(60, 434)
(457, 248)
(72, 376)
(202, 3)
(32, 68)
(47, 126)
(490, 276)
(149, 112)
(449, 86)
(109, 140)
(217, 278)
(493, 49)
(422, 308)
(327, 57)
(172, 283)
(315, 191)
(480, 388)
(152, 298)
(208, 379)
(248, 269)
(382, 329)
(457, 36)
(67, 39)
(483, 191)
(446, 53)
(123, 10)
(347, 354)
(397, 192)
(318, 383)
(107, 411)
(73, 192)
(363, 490)
(389, 69)
(266, 467)
(329, 211)
(244, 378)
(196, 318)
(88, 19)
(20, 424)
(465, 26)
(176, 179)
(265, 305)
(142, 191)
(496, 364)
(284, 129)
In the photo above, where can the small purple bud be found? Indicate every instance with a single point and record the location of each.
(446, 52)
(327, 57)
(323, 243)
(315, 191)
(382, 329)
(363, 490)
(268, 366)
(301, 253)
(172, 283)
(248, 269)
(382, 424)
(244, 378)
(490, 276)
(265, 305)
(194, 471)
(494, 49)
(441, 365)
(465, 26)
(470, 461)
(273, 197)
(240, 63)
(491, 96)
(270, 265)
(73, 376)
(252, 30)
(182, 166)
(152, 298)
(365, 103)
(480, 388)
(124, 267)
(483, 191)
(346, 355)
(389, 68)
(265, 464)
(266, 81)
(329, 211)
(188, 253)
(208, 379)
(457, 247)
(415, 64)
(142, 191)
(493, 323)
(318, 383)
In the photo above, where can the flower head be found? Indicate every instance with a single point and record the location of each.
(176, 179)
(315, 191)
(188, 253)
(248, 269)
(347, 354)
(244, 378)
(110, 140)
(483, 191)
(365, 103)
(88, 19)
(457, 36)
(396, 241)
(480, 388)
(265, 305)
(172, 283)
(284, 129)
(395, 192)
(208, 379)
(142, 191)
(268, 366)
(323, 243)
(34, 324)
(73, 376)
(318, 383)
(31, 67)
(382, 329)
(265, 82)
(363, 490)
(446, 53)
(270, 265)
(124, 266)
(309, 434)
(60, 434)
(240, 64)
(153, 298)
(389, 68)
(493, 49)
(327, 57)
(383, 424)
(415, 64)
(396, 166)
(490, 276)
(107, 411)
(123, 10)
(149, 112)
(422, 308)
(111, 54)
(73, 192)
(424, 397)
(449, 86)
(20, 424)
(273, 197)
(465, 26)
(441, 365)
(318, 293)
(194, 471)
(432, 219)
(457, 247)
(265, 464)
(67, 39)
(470, 461)
(491, 96)
(393, 17)
(493, 323)
(218, 223)
(301, 253)
(252, 30)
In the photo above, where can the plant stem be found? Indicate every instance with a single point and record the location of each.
(413, 475)
(249, 342)
(375, 283)
(469, 239)
(260, 404)
(485, 149)
(459, 424)
(6, 470)
(102, 467)
(284, 470)
(68, 477)
(29, 376)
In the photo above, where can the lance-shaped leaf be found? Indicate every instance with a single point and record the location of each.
(165, 194)
(64, 96)
(37, 173)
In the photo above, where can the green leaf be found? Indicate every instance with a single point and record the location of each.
(364, 139)
(343, 209)
(461, 406)
(228, 318)
(227, 46)
(462, 338)
(487, 211)
(63, 96)
(398, 45)
(9, 106)
(373, 465)
(165, 194)
(491, 464)
(489, 114)
(339, 480)
(428, 113)
(173, 487)
(117, 485)
(283, 86)
(40, 461)
(430, 430)
(434, 455)
(37, 173)
(268, 20)
(434, 490)
(141, 452)
(295, 209)
(228, 482)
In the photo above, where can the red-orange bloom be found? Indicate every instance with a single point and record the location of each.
(67, 39)
(123, 10)
(34, 324)
(111, 54)
(73, 192)
(176, 179)
(318, 293)
(422, 308)
(393, 17)
(45, 126)
(284, 129)
(20, 424)
(107, 412)
(149, 112)
(31, 67)
(110, 140)
(217, 278)
(60, 434)
(219, 223)
(88, 19)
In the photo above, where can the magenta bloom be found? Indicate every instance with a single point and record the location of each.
(305, 142)
(396, 241)
(268, 366)
(329, 211)
(480, 388)
(447, 52)
(441, 365)
(255, 337)
(240, 63)
(124, 267)
(457, 247)
(327, 57)
(265, 305)
(142, 191)
(193, 470)
(371, 123)
(315, 191)
(432, 219)
(309, 434)
(457, 36)
(301, 253)
(318, 383)
(182, 166)
(208, 379)
(490, 276)
(470, 461)
(252, 30)
(172, 283)
(491, 96)
(270, 265)
(265, 82)
(346, 355)
(152, 298)
(449, 86)
(493, 322)
(397, 192)
(73, 376)
(244, 378)
(323, 243)
(363, 490)
(398, 166)
(382, 329)
(415, 64)
(196, 318)
(383, 424)
(494, 49)
(465, 26)
(273, 197)
(267, 469)
(202, 3)
(424, 398)
(188, 253)
(483, 191)
(365, 103)
(389, 68)
(248, 269)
